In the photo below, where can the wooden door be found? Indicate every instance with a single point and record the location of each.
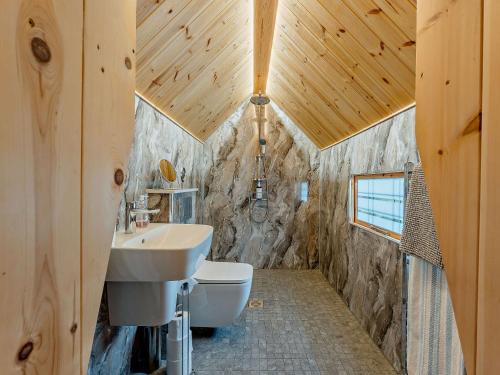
(67, 76)
(40, 138)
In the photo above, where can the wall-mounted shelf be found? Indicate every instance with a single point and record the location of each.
(170, 191)
(176, 205)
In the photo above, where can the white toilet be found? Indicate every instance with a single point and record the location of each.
(221, 293)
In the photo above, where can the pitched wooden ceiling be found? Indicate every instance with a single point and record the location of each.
(337, 66)
(194, 59)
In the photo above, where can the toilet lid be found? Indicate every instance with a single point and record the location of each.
(223, 273)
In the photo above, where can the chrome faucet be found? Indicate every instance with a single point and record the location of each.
(129, 215)
(131, 211)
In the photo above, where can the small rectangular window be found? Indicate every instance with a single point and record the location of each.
(378, 202)
(304, 191)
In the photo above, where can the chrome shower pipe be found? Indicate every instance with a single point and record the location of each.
(260, 101)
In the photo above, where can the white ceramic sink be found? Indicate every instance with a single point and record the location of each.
(160, 252)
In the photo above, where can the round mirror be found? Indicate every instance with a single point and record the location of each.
(167, 170)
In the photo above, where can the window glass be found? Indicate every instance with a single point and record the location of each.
(379, 202)
(304, 191)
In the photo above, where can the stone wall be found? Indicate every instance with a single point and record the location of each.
(363, 267)
(287, 237)
(156, 138)
(112, 346)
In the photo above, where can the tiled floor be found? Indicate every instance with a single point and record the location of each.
(302, 328)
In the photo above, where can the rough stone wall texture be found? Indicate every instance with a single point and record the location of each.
(287, 236)
(363, 267)
(156, 138)
(112, 346)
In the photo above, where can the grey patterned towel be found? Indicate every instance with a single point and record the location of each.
(419, 236)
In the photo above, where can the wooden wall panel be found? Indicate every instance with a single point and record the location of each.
(108, 125)
(40, 106)
(448, 95)
(67, 123)
(488, 343)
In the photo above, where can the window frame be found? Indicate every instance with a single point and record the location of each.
(353, 205)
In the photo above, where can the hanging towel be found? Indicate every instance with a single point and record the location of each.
(433, 346)
(432, 335)
(419, 235)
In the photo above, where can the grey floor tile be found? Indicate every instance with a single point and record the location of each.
(303, 328)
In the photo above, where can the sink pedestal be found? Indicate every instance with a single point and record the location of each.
(148, 304)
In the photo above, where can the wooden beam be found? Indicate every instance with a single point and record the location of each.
(264, 20)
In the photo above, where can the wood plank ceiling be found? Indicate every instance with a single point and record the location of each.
(194, 59)
(337, 66)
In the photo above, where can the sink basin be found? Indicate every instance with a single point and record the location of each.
(160, 252)
(145, 268)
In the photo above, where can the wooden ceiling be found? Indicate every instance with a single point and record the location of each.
(194, 59)
(337, 66)
(264, 21)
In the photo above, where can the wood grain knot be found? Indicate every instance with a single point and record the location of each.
(40, 50)
(73, 328)
(119, 176)
(128, 63)
(25, 351)
(440, 152)
(475, 125)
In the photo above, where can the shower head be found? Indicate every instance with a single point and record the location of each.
(259, 100)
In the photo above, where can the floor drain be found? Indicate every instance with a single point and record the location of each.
(255, 303)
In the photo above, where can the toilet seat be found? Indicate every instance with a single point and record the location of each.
(223, 273)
